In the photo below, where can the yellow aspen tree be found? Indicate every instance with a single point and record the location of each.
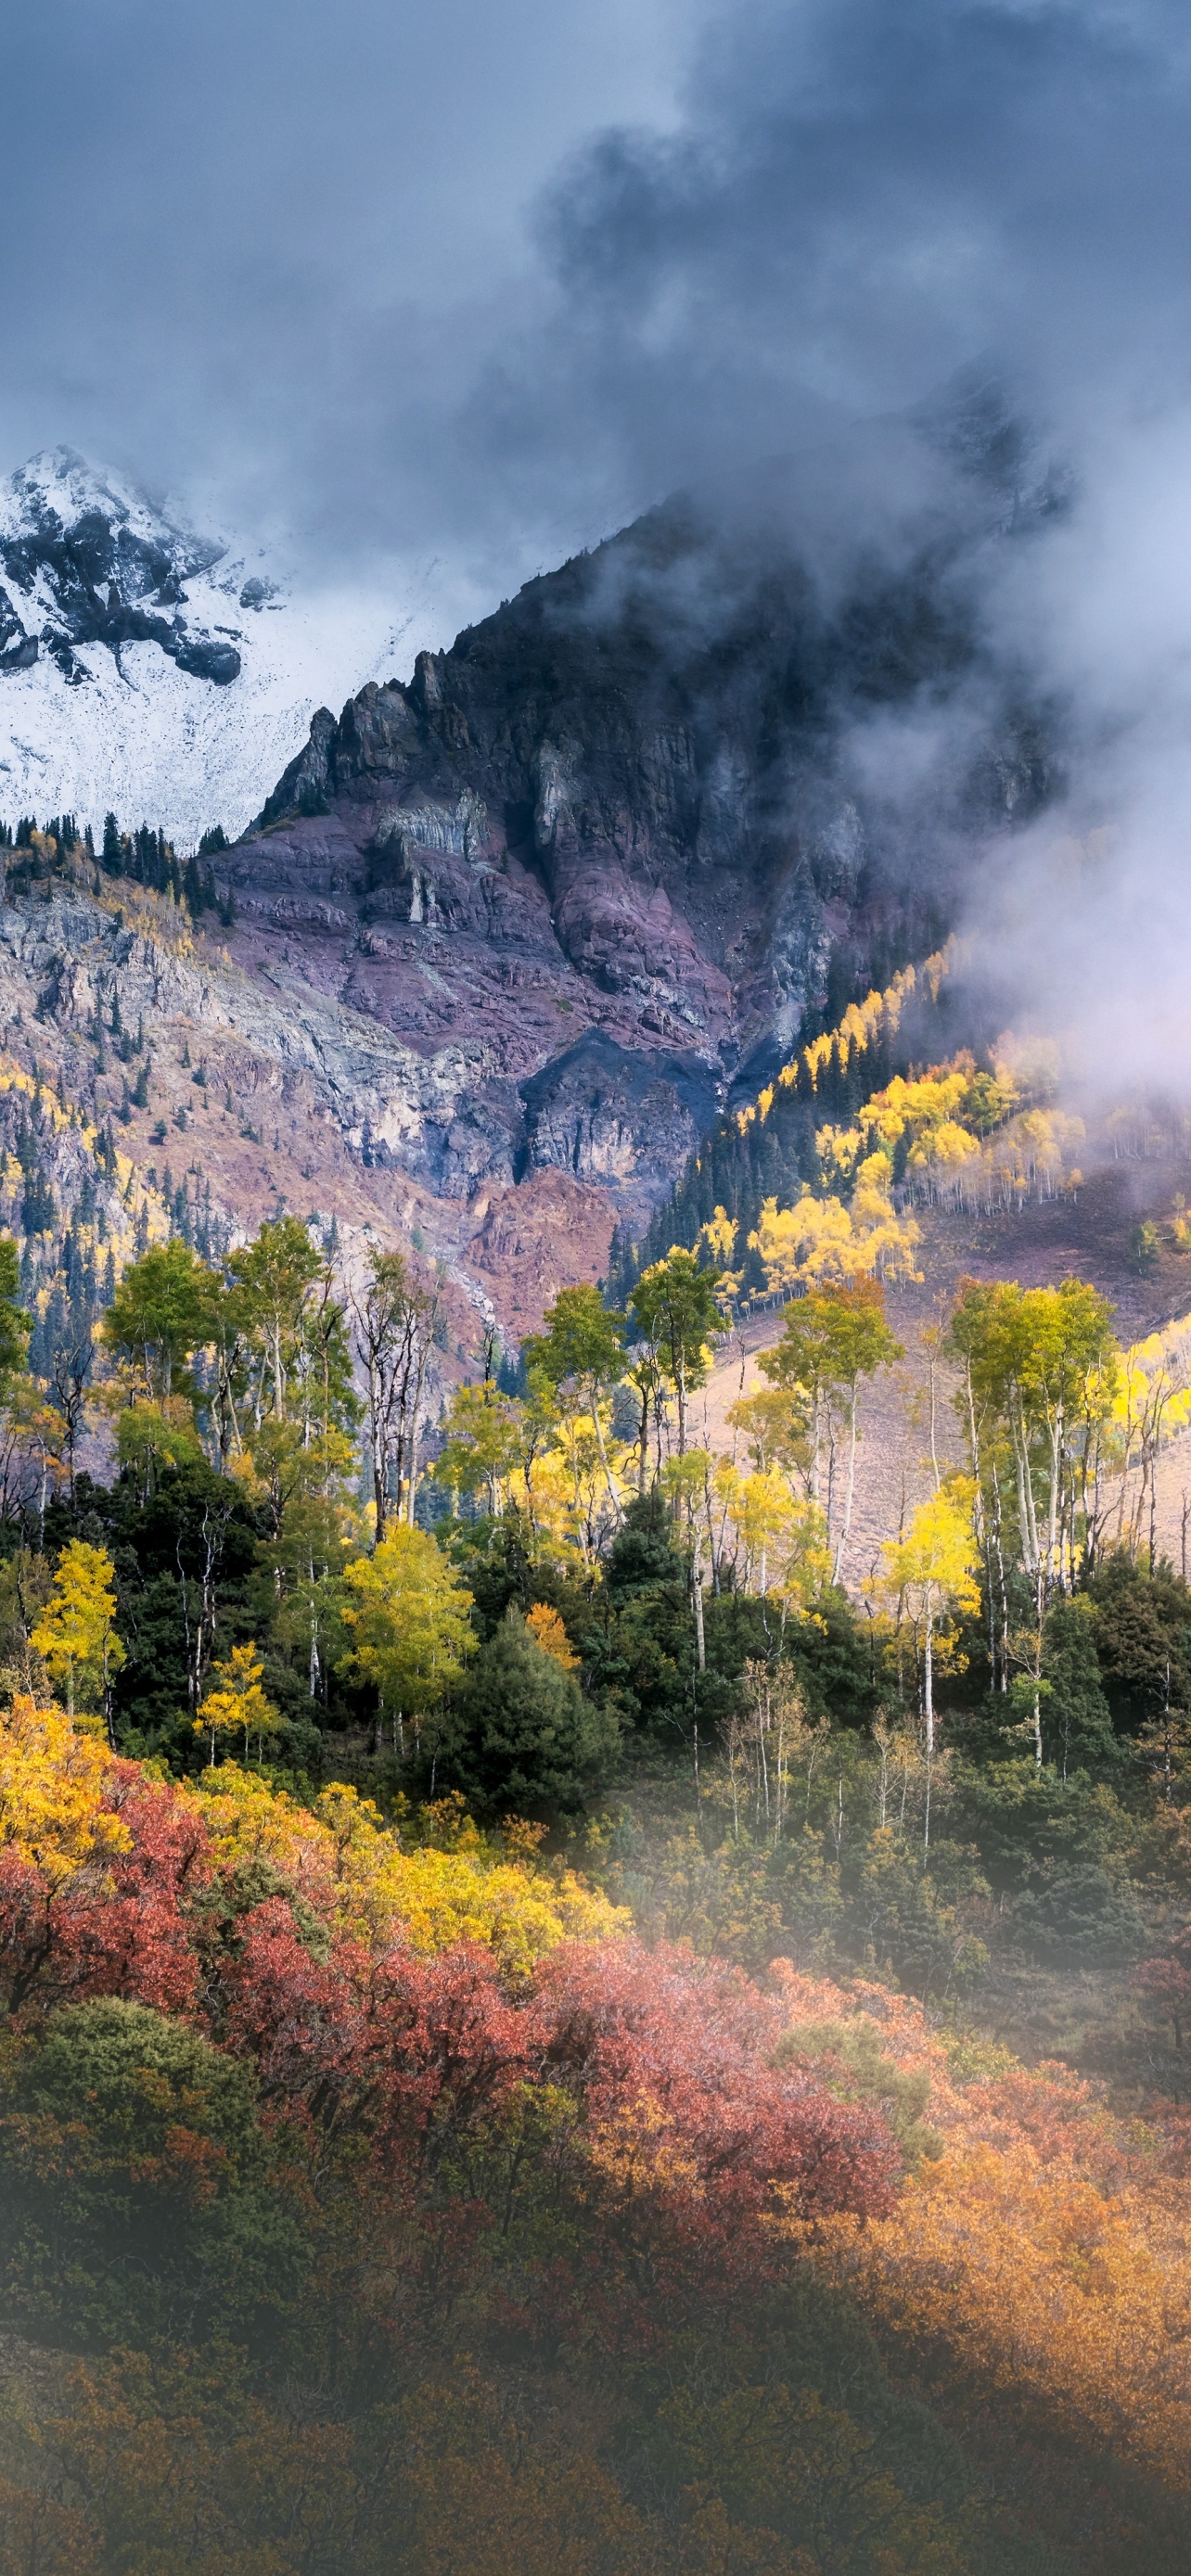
(548, 1632)
(238, 1700)
(407, 1614)
(932, 1572)
(75, 1632)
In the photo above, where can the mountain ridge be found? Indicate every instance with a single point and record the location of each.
(623, 826)
(507, 938)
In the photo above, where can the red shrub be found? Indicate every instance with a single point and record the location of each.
(694, 2041)
(116, 1927)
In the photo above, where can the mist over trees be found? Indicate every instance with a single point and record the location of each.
(502, 1900)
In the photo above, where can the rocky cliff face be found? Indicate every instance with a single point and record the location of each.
(605, 856)
(505, 937)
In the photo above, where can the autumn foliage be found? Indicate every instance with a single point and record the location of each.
(385, 2100)
(1044, 2252)
(406, 1996)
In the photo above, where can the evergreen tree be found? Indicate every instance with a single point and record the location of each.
(113, 851)
(524, 1738)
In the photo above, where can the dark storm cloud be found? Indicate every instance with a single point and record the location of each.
(863, 202)
(288, 247)
(261, 246)
(863, 196)
(479, 283)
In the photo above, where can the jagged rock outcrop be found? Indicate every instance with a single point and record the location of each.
(624, 829)
(96, 565)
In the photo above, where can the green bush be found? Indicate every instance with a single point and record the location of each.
(138, 2190)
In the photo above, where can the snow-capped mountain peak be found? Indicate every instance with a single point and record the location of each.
(149, 668)
(58, 482)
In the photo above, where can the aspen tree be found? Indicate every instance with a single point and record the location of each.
(75, 1632)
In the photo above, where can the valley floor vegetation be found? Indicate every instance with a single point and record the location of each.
(508, 1944)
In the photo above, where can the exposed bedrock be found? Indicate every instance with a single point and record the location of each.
(623, 838)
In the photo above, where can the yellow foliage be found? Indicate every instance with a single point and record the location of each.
(1155, 1376)
(781, 1536)
(960, 1128)
(51, 1793)
(820, 1240)
(719, 1234)
(237, 1700)
(354, 1872)
(408, 1617)
(948, 1147)
(937, 1557)
(1045, 2251)
(75, 1633)
(548, 1632)
(1048, 2291)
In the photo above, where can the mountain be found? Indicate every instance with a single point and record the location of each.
(147, 668)
(503, 941)
(607, 856)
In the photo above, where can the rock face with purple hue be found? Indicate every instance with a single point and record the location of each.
(621, 839)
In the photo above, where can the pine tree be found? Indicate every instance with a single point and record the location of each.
(524, 1737)
(113, 850)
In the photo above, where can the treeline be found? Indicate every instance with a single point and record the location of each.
(145, 856)
(315, 1553)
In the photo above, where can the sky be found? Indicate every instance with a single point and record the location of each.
(263, 254)
(483, 280)
(465, 287)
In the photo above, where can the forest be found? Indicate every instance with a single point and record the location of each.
(557, 2011)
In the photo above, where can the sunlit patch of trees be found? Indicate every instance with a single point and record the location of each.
(500, 1895)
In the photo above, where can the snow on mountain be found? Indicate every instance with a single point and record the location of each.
(145, 668)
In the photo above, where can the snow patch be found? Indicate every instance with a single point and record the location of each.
(129, 730)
